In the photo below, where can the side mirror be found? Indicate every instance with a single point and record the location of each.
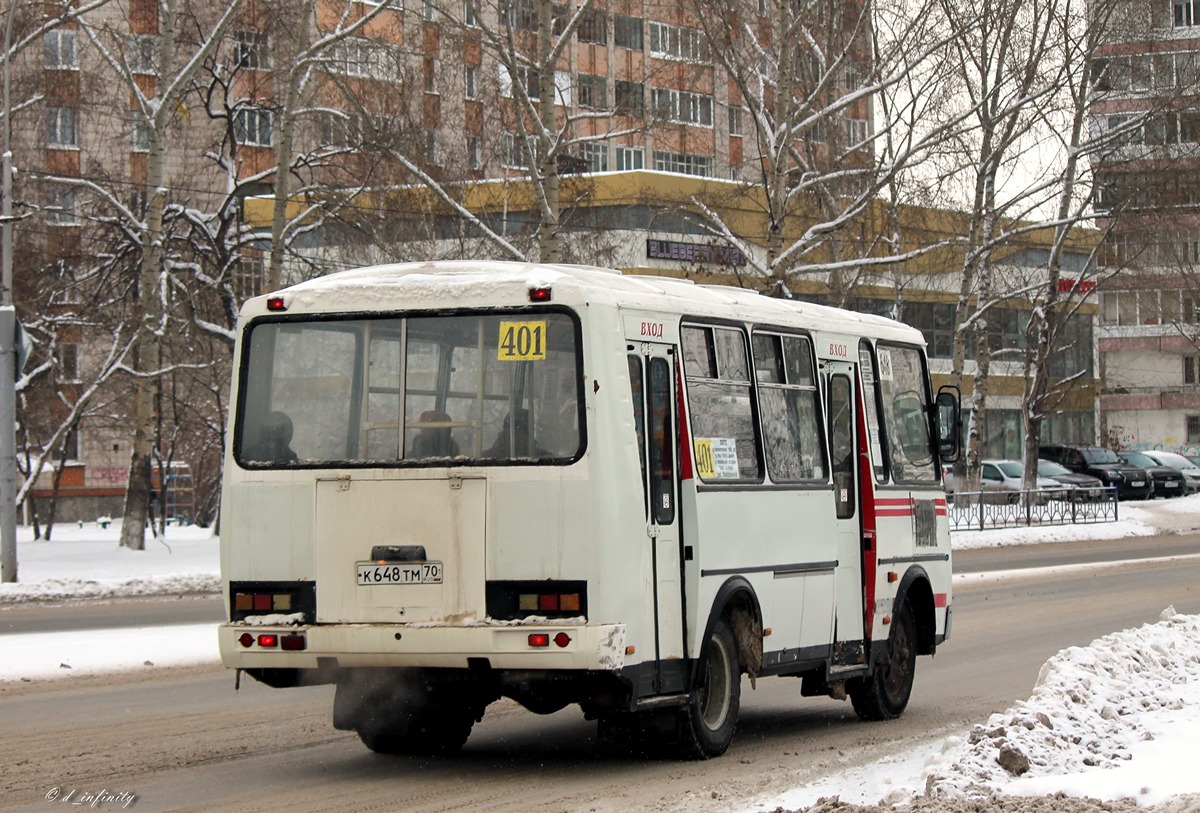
(948, 418)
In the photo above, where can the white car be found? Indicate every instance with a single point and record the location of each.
(1189, 470)
(1007, 476)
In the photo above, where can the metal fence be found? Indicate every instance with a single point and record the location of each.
(980, 510)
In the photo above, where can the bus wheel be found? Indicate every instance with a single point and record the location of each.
(430, 730)
(883, 694)
(712, 712)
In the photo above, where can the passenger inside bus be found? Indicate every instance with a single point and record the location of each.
(433, 438)
(514, 439)
(274, 440)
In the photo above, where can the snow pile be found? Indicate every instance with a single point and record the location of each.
(1092, 708)
(85, 561)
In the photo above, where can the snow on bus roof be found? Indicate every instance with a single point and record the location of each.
(360, 288)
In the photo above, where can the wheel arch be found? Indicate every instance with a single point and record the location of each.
(737, 601)
(916, 591)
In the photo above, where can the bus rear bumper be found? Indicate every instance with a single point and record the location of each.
(599, 647)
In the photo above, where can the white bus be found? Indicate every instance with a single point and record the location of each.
(453, 482)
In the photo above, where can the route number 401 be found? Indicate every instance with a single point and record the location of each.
(522, 341)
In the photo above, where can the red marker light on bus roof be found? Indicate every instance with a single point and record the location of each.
(539, 294)
(276, 303)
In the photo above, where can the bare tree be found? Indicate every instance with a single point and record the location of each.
(175, 61)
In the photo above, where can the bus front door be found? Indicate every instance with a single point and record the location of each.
(652, 379)
(843, 454)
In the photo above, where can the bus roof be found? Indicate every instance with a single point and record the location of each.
(482, 283)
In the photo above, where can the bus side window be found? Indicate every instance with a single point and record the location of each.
(841, 441)
(662, 436)
(637, 392)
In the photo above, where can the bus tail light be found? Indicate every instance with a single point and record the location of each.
(293, 642)
(264, 598)
(551, 599)
(561, 640)
(269, 640)
(539, 639)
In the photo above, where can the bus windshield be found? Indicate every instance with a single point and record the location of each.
(480, 388)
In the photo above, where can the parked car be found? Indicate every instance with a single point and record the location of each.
(1189, 470)
(1168, 482)
(1007, 477)
(1075, 486)
(991, 496)
(1131, 482)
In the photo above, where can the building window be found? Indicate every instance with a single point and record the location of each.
(139, 134)
(676, 42)
(593, 27)
(429, 70)
(433, 152)
(630, 158)
(339, 129)
(470, 90)
(515, 152)
(735, 120)
(1185, 13)
(469, 18)
(630, 98)
(683, 163)
(474, 154)
(60, 127)
(67, 355)
(356, 56)
(527, 77)
(252, 127)
(519, 14)
(1193, 428)
(683, 106)
(428, 10)
(596, 156)
(627, 32)
(251, 49)
(141, 54)
(593, 92)
(856, 132)
(59, 47)
(62, 207)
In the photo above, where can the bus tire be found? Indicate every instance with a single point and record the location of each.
(883, 694)
(711, 715)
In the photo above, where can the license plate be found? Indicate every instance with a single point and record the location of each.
(371, 574)
(1172, 485)
(1136, 483)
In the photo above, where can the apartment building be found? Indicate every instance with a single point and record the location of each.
(423, 89)
(1148, 187)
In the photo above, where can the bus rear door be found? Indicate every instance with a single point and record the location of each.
(652, 381)
(842, 402)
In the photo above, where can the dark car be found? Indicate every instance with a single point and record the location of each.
(1131, 482)
(1080, 487)
(1168, 482)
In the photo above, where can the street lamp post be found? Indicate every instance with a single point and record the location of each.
(8, 343)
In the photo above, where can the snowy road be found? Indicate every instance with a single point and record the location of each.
(182, 740)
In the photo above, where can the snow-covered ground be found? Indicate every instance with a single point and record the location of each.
(1118, 718)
